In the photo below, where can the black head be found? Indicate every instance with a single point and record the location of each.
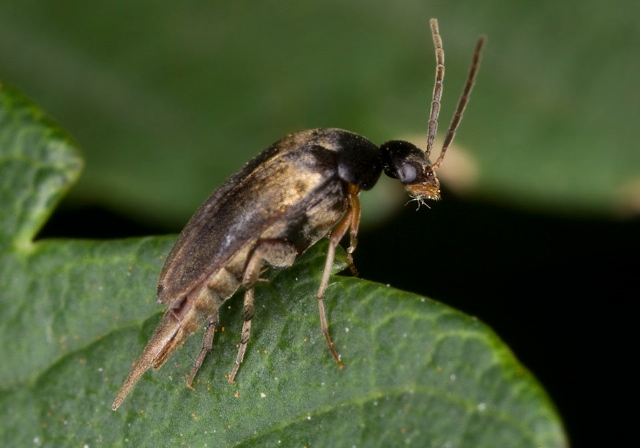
(406, 162)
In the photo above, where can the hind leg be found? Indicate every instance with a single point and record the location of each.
(207, 345)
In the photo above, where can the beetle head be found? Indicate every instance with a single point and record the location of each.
(406, 162)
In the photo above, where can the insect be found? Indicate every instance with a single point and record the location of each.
(302, 188)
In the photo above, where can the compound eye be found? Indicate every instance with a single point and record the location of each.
(407, 173)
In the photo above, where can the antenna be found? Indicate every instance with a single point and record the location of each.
(437, 87)
(437, 94)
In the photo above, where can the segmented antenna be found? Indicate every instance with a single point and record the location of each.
(462, 103)
(437, 88)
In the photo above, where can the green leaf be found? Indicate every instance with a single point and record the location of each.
(77, 313)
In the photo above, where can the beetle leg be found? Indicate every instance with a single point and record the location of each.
(276, 253)
(351, 219)
(207, 345)
(354, 204)
(248, 311)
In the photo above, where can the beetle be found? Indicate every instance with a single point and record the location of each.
(302, 188)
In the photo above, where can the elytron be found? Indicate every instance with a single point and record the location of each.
(302, 188)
